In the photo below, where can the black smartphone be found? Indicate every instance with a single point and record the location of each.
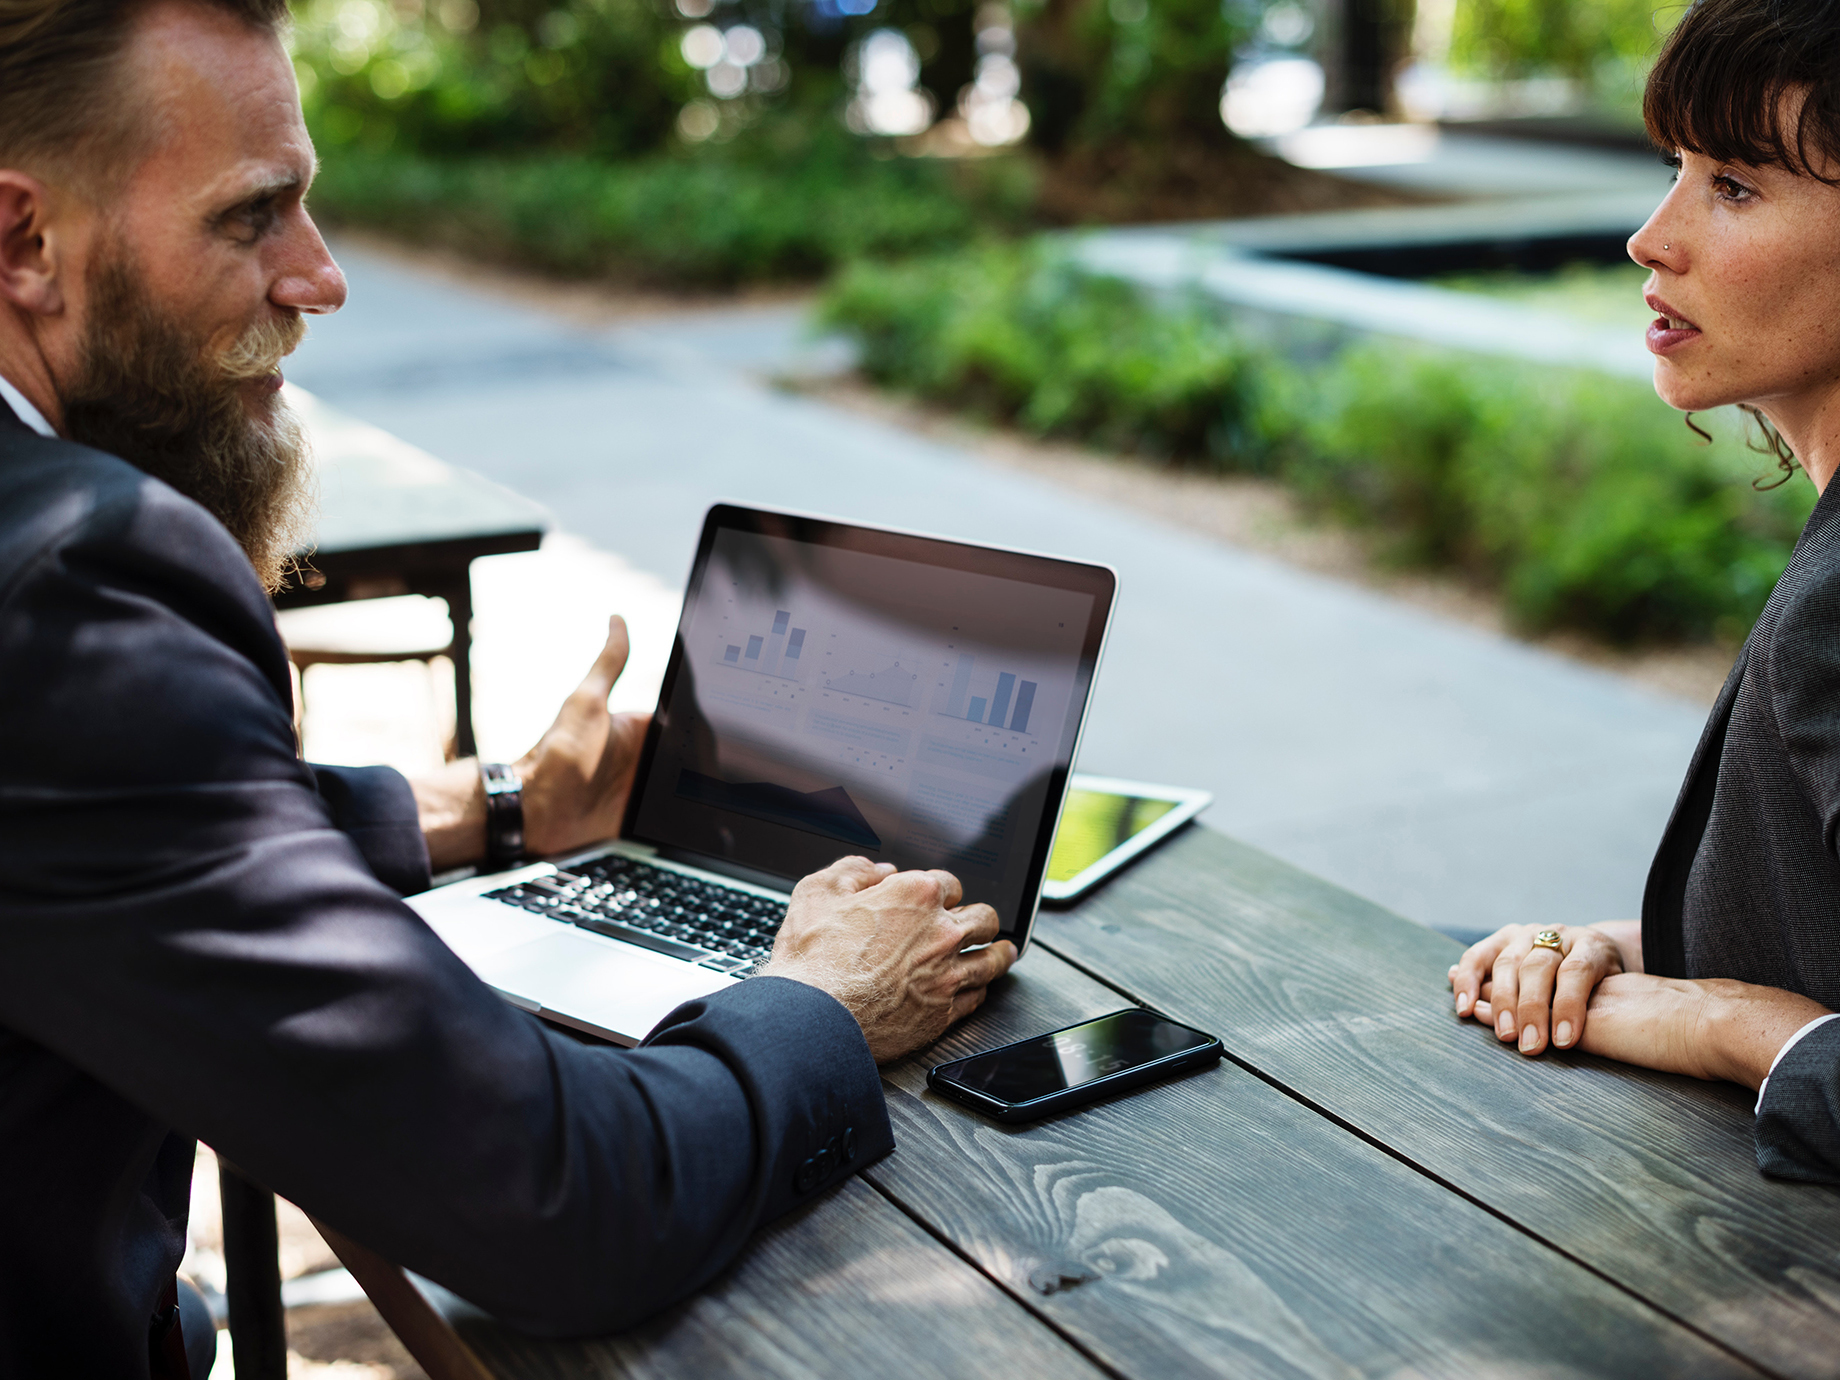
(1069, 1068)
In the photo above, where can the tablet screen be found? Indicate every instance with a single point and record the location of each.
(1093, 823)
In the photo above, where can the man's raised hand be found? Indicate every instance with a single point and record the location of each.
(891, 947)
(577, 777)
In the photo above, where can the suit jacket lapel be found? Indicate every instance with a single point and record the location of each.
(1663, 900)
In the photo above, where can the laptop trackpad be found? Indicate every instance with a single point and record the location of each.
(613, 986)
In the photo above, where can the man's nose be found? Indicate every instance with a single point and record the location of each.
(309, 281)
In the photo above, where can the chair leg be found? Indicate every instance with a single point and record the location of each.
(252, 1277)
(424, 1333)
(459, 597)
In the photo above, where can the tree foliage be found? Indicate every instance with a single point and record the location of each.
(1102, 73)
(1574, 37)
(606, 77)
(602, 75)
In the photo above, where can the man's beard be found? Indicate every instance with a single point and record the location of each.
(155, 395)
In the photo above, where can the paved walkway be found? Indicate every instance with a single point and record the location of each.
(1582, 202)
(1426, 158)
(1586, 201)
(1460, 778)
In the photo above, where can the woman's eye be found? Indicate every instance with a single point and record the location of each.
(1730, 189)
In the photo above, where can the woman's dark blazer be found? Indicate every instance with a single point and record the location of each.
(1746, 883)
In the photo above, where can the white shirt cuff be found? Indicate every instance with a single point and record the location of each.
(1788, 1045)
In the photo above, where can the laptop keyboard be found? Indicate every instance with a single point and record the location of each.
(700, 922)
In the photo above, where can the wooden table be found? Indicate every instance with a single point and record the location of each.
(1365, 1188)
(395, 520)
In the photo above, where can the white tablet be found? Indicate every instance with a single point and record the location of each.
(1106, 823)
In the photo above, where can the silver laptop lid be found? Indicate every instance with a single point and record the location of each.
(838, 689)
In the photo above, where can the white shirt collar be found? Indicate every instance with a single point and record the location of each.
(24, 410)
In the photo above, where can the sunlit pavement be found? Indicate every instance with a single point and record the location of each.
(1460, 778)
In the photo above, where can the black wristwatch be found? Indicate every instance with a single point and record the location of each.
(504, 815)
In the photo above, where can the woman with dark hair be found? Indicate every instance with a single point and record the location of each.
(1733, 972)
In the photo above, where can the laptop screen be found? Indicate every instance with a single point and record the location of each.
(841, 690)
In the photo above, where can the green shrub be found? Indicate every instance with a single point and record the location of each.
(1381, 440)
(712, 218)
(1022, 336)
(1582, 497)
(573, 136)
(606, 78)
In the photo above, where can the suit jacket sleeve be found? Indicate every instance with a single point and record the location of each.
(1798, 1121)
(184, 920)
(375, 809)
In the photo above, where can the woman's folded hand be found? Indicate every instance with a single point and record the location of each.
(1706, 1028)
(1530, 993)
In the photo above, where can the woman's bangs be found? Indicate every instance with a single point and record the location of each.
(1727, 90)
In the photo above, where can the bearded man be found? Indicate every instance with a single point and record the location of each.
(200, 935)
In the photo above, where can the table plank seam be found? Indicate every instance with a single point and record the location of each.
(1022, 1301)
(1311, 1105)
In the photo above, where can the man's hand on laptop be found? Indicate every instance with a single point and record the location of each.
(891, 947)
(576, 779)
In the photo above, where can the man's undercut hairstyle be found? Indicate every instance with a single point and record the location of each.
(62, 113)
(1727, 78)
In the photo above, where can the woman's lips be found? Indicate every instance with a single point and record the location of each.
(1669, 330)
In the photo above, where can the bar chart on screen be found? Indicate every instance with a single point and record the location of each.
(1005, 700)
(777, 650)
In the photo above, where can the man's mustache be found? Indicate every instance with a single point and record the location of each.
(258, 352)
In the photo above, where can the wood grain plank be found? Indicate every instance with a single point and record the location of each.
(846, 1288)
(1649, 1178)
(1213, 1226)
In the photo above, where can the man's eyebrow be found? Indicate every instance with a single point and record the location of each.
(262, 189)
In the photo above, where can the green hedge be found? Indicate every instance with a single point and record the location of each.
(712, 218)
(1582, 497)
(1026, 339)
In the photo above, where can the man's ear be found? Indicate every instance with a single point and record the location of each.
(28, 246)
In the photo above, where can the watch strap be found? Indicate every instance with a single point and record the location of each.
(504, 814)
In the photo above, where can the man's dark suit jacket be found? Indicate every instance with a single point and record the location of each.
(1746, 883)
(201, 936)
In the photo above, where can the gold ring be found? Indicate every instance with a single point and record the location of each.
(1549, 939)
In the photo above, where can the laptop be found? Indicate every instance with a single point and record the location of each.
(834, 689)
